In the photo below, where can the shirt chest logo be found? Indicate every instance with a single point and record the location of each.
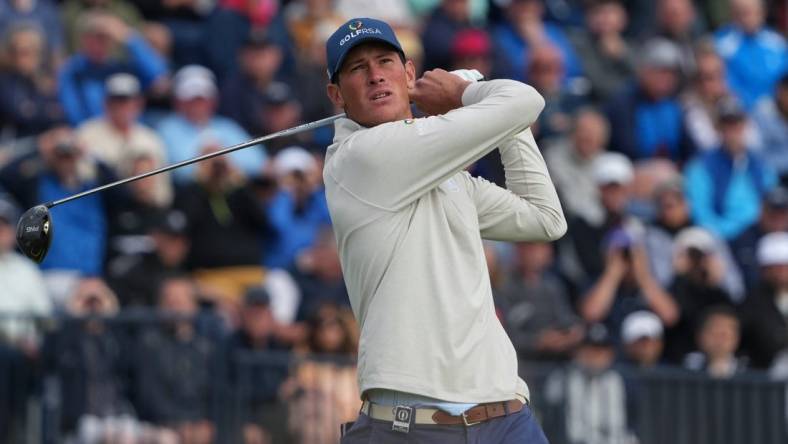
(451, 186)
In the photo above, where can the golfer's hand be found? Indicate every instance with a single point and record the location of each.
(438, 92)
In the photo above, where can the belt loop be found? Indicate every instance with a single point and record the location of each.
(506, 407)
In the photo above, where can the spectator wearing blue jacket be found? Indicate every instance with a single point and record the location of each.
(60, 169)
(298, 210)
(194, 127)
(771, 118)
(725, 186)
(523, 28)
(755, 56)
(647, 120)
(83, 75)
(28, 97)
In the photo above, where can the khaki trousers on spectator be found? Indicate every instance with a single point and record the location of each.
(227, 285)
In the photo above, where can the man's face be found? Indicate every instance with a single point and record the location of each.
(658, 82)
(457, 10)
(197, 110)
(123, 111)
(25, 51)
(97, 46)
(525, 11)
(546, 70)
(673, 209)
(748, 14)
(733, 136)
(178, 297)
(171, 248)
(257, 321)
(719, 336)
(281, 116)
(782, 98)
(372, 85)
(607, 18)
(590, 134)
(614, 197)
(774, 219)
(261, 63)
(645, 351)
(534, 256)
(776, 275)
(711, 78)
(676, 16)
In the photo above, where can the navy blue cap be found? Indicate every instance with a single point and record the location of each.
(352, 33)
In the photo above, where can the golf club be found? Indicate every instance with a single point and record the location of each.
(35, 228)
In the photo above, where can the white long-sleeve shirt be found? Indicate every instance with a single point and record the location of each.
(22, 293)
(409, 224)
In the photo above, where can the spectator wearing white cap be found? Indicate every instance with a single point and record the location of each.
(128, 147)
(194, 127)
(298, 210)
(24, 293)
(699, 273)
(642, 337)
(626, 285)
(118, 139)
(766, 308)
(583, 257)
(621, 280)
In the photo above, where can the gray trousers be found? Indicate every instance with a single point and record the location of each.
(517, 428)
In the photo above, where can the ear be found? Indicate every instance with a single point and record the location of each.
(410, 74)
(335, 95)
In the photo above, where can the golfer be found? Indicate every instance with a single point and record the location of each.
(434, 362)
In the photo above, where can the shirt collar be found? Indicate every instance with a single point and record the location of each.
(343, 128)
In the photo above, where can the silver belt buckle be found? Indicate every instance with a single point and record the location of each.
(402, 418)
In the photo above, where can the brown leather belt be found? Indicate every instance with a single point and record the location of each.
(475, 415)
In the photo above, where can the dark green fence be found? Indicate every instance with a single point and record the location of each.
(256, 388)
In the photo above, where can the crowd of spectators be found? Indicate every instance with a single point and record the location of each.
(665, 131)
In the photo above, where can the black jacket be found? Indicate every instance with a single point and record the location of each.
(765, 331)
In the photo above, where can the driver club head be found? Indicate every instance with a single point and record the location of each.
(34, 233)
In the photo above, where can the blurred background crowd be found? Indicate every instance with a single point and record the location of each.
(665, 131)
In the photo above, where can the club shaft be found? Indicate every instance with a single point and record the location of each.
(230, 149)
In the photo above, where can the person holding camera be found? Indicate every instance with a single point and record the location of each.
(297, 209)
(582, 252)
(673, 214)
(626, 285)
(698, 284)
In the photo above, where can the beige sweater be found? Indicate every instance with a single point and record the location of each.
(409, 223)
